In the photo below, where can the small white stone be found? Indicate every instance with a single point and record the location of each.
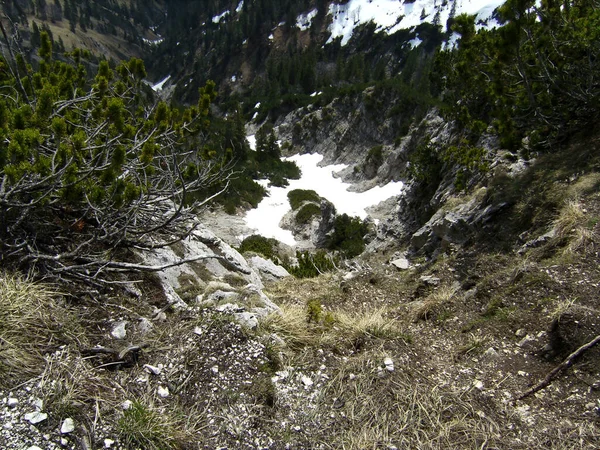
(163, 391)
(64, 442)
(478, 385)
(119, 331)
(12, 402)
(306, 381)
(389, 364)
(214, 369)
(522, 374)
(351, 376)
(199, 331)
(8, 426)
(68, 426)
(126, 404)
(108, 443)
(152, 369)
(35, 417)
(520, 333)
(34, 447)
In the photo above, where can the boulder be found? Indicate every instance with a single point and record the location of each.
(268, 270)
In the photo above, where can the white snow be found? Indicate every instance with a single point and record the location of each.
(158, 86)
(415, 42)
(266, 217)
(393, 15)
(239, 6)
(218, 18)
(304, 21)
(154, 42)
(252, 141)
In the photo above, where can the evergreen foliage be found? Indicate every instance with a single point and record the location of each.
(298, 196)
(89, 166)
(348, 235)
(536, 77)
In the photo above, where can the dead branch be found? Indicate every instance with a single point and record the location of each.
(568, 362)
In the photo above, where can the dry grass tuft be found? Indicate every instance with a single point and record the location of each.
(571, 217)
(33, 320)
(291, 325)
(433, 302)
(402, 410)
(339, 329)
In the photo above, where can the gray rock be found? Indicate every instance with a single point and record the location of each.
(401, 263)
(119, 331)
(430, 280)
(267, 269)
(35, 417)
(491, 353)
(247, 319)
(68, 426)
(144, 326)
(12, 402)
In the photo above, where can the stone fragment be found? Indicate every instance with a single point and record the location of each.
(119, 331)
(491, 353)
(126, 404)
(108, 443)
(68, 426)
(430, 280)
(520, 333)
(389, 364)
(163, 391)
(12, 402)
(401, 264)
(247, 320)
(478, 385)
(35, 417)
(155, 370)
(306, 381)
(267, 269)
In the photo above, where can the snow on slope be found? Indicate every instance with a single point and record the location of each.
(266, 217)
(393, 15)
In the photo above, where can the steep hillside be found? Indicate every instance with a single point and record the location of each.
(463, 316)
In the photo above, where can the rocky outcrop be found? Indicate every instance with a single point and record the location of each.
(455, 226)
(214, 274)
(311, 233)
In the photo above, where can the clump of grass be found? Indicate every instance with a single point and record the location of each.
(307, 212)
(403, 410)
(571, 217)
(297, 197)
(300, 326)
(143, 427)
(291, 325)
(362, 325)
(33, 320)
(433, 303)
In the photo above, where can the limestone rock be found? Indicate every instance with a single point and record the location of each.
(35, 417)
(267, 269)
(68, 426)
(401, 263)
(119, 331)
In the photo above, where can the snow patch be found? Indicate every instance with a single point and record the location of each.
(252, 141)
(304, 21)
(218, 18)
(393, 15)
(239, 6)
(158, 86)
(266, 217)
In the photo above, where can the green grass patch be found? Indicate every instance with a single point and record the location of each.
(307, 212)
(298, 196)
